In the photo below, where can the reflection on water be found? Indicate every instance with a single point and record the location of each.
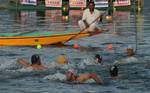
(121, 22)
(51, 20)
(139, 26)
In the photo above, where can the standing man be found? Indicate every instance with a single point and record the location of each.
(90, 18)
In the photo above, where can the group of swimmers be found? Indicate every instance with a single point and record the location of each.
(62, 59)
(71, 74)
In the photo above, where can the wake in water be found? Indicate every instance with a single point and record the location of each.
(56, 76)
(56, 72)
(9, 65)
(128, 60)
(62, 78)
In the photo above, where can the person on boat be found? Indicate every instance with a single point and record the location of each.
(90, 18)
(71, 76)
(62, 59)
(35, 63)
(98, 58)
(113, 71)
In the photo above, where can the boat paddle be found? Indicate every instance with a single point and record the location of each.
(83, 29)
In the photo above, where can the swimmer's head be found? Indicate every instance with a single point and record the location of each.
(71, 74)
(130, 51)
(98, 58)
(114, 71)
(73, 71)
(62, 59)
(115, 66)
(35, 59)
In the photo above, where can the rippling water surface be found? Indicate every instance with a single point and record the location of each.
(126, 29)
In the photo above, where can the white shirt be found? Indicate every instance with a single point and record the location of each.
(90, 18)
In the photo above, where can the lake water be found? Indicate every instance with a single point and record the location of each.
(126, 30)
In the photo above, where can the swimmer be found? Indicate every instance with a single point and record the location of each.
(71, 76)
(35, 63)
(113, 71)
(62, 59)
(130, 51)
(98, 58)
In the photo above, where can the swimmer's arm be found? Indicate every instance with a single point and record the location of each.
(80, 80)
(23, 62)
(45, 68)
(99, 80)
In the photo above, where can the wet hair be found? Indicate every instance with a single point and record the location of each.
(99, 57)
(113, 71)
(35, 59)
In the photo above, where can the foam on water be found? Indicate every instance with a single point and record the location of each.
(57, 65)
(8, 64)
(62, 77)
(56, 76)
(28, 69)
(127, 60)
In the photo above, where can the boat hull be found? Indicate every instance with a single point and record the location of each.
(41, 40)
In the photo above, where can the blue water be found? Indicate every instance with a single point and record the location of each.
(126, 29)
